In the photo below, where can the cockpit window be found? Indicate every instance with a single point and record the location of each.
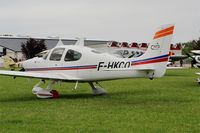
(56, 55)
(72, 55)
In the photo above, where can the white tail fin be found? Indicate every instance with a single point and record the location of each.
(80, 41)
(156, 56)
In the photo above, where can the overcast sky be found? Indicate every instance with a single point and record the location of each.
(121, 20)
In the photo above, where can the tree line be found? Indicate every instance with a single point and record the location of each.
(190, 45)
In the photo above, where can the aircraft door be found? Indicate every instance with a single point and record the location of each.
(55, 57)
(71, 59)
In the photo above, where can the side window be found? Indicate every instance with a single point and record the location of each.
(72, 55)
(57, 54)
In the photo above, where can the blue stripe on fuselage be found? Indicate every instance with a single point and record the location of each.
(153, 58)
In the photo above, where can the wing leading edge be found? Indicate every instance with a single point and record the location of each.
(38, 75)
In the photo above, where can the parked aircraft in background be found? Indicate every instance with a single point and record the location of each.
(124, 50)
(77, 63)
(176, 53)
(195, 58)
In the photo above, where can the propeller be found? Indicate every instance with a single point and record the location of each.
(195, 60)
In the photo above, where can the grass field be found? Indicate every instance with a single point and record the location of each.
(169, 104)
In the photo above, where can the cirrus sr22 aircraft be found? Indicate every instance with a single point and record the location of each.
(77, 63)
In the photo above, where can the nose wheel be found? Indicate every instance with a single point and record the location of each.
(97, 90)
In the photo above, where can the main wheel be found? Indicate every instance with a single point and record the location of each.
(54, 93)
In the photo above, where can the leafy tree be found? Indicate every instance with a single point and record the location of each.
(32, 47)
(191, 45)
(196, 44)
(188, 46)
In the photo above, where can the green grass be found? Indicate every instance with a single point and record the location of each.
(169, 104)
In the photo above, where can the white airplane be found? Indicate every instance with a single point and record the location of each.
(196, 61)
(195, 57)
(77, 63)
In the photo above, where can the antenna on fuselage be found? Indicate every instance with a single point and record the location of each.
(60, 43)
(80, 41)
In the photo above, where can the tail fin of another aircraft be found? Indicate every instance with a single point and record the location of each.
(156, 56)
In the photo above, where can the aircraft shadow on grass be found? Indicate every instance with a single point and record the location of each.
(62, 96)
(137, 96)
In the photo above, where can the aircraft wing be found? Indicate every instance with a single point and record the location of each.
(58, 76)
(177, 57)
(198, 73)
(197, 52)
(168, 68)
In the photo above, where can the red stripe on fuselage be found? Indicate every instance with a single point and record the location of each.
(62, 68)
(150, 61)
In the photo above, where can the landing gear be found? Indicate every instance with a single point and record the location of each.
(97, 90)
(45, 93)
(150, 74)
(198, 80)
(37, 87)
(48, 92)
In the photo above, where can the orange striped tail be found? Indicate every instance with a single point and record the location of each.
(156, 55)
(164, 32)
